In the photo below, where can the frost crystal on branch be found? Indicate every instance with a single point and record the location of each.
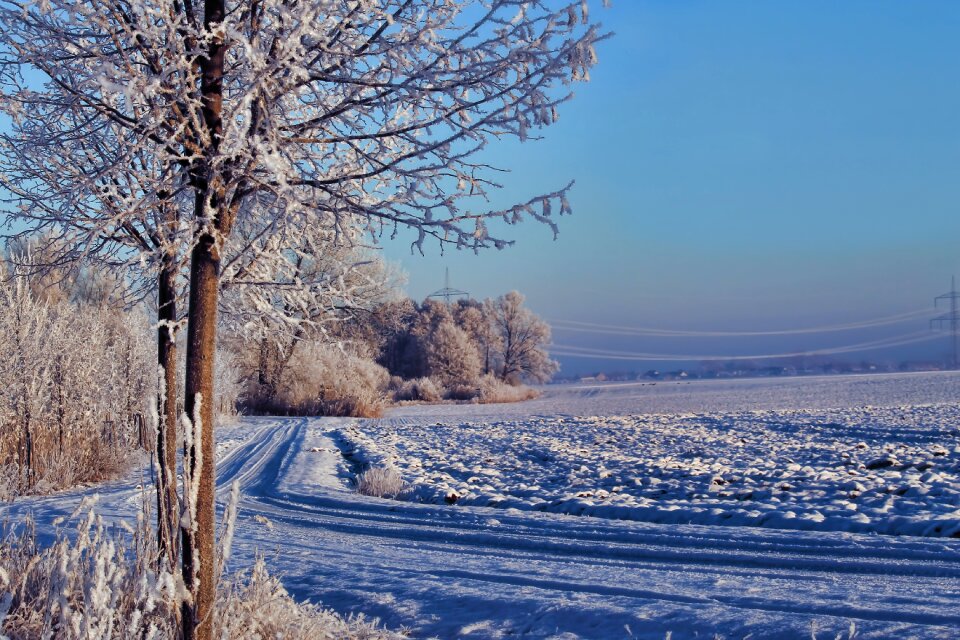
(366, 113)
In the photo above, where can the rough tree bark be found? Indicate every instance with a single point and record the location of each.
(167, 410)
(198, 533)
(198, 566)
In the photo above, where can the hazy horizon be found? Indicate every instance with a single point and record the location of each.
(744, 167)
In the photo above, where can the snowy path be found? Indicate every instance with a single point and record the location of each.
(477, 572)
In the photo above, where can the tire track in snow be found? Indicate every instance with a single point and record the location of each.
(481, 572)
(598, 553)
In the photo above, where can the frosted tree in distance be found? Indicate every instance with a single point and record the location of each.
(522, 338)
(341, 112)
(283, 288)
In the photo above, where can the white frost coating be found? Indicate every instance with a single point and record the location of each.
(229, 521)
(193, 459)
(345, 120)
(188, 513)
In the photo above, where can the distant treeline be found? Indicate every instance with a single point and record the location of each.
(470, 350)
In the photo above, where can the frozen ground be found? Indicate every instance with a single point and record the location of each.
(525, 568)
(869, 470)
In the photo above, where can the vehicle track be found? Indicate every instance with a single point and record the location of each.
(537, 574)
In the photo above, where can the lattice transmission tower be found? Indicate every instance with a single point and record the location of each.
(950, 320)
(448, 293)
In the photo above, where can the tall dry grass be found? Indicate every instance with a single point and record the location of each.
(101, 582)
(73, 380)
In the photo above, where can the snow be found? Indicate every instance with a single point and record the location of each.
(870, 470)
(668, 548)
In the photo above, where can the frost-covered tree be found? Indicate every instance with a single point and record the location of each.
(276, 299)
(429, 316)
(451, 356)
(523, 337)
(388, 328)
(471, 316)
(338, 111)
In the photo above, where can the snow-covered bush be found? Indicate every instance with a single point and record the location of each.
(488, 389)
(100, 583)
(259, 607)
(463, 392)
(492, 390)
(422, 389)
(325, 380)
(10, 482)
(381, 482)
(73, 380)
(91, 584)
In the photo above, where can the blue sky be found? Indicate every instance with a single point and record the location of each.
(741, 165)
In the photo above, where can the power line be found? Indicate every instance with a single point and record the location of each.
(583, 352)
(592, 327)
(951, 318)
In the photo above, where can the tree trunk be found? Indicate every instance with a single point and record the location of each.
(198, 550)
(198, 531)
(262, 376)
(167, 411)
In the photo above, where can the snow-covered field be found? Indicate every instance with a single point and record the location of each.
(893, 470)
(760, 508)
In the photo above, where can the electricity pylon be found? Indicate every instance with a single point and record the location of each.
(447, 293)
(950, 319)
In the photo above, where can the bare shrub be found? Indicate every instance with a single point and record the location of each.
(462, 392)
(381, 482)
(324, 380)
(492, 390)
(422, 389)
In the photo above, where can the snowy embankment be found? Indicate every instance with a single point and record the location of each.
(478, 572)
(869, 470)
